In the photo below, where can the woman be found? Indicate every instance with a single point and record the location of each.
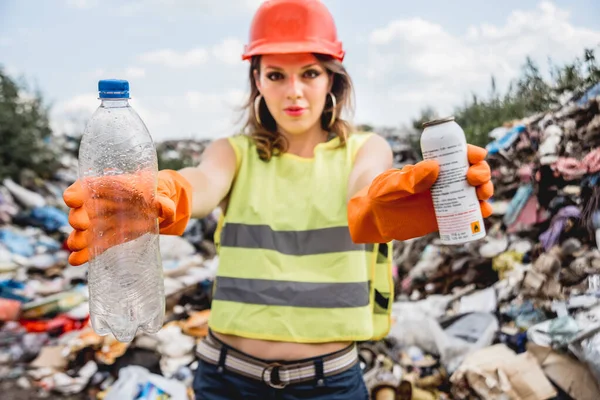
(306, 202)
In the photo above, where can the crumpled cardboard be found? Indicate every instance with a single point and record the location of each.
(498, 373)
(50, 357)
(569, 374)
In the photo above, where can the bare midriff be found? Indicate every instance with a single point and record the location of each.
(271, 350)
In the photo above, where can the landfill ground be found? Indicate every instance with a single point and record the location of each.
(515, 315)
(12, 391)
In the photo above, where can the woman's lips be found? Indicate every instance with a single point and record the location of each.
(294, 111)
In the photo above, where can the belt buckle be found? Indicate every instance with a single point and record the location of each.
(272, 384)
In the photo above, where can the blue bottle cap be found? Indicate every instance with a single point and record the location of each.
(113, 89)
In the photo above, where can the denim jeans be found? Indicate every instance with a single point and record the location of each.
(211, 384)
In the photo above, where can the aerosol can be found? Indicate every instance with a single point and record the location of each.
(455, 202)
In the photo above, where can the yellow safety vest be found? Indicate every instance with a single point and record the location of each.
(288, 269)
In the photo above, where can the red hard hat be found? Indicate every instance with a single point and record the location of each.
(293, 26)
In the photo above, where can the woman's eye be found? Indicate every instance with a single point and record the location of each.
(311, 73)
(274, 76)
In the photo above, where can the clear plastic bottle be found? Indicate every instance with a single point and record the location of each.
(118, 168)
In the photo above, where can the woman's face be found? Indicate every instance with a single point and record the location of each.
(295, 88)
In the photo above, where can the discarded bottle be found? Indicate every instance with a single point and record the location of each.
(455, 202)
(118, 169)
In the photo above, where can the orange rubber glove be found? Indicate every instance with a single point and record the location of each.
(398, 204)
(117, 196)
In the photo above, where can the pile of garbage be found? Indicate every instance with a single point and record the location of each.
(516, 315)
(404, 152)
(189, 151)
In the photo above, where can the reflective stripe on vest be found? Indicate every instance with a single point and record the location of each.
(288, 269)
(296, 243)
(383, 291)
(296, 294)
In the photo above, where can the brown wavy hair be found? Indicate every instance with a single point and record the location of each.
(269, 142)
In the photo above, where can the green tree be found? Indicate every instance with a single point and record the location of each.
(24, 128)
(568, 79)
(535, 93)
(427, 114)
(413, 139)
(364, 128)
(526, 95)
(592, 67)
(573, 79)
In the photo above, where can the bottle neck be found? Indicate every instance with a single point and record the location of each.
(114, 103)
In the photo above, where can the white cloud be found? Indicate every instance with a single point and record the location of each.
(197, 100)
(213, 102)
(82, 4)
(131, 8)
(186, 6)
(229, 51)
(70, 116)
(132, 72)
(174, 59)
(84, 103)
(155, 120)
(12, 71)
(135, 72)
(416, 62)
(253, 4)
(98, 73)
(199, 114)
(6, 41)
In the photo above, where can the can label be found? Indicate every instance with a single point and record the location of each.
(455, 201)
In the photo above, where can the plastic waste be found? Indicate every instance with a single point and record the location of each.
(118, 169)
(16, 243)
(26, 197)
(136, 382)
(51, 218)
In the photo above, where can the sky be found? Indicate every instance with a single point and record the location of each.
(183, 57)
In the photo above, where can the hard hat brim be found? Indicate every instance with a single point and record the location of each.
(318, 47)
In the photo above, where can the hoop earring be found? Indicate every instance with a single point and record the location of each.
(257, 109)
(334, 102)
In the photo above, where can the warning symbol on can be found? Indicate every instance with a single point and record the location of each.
(475, 227)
